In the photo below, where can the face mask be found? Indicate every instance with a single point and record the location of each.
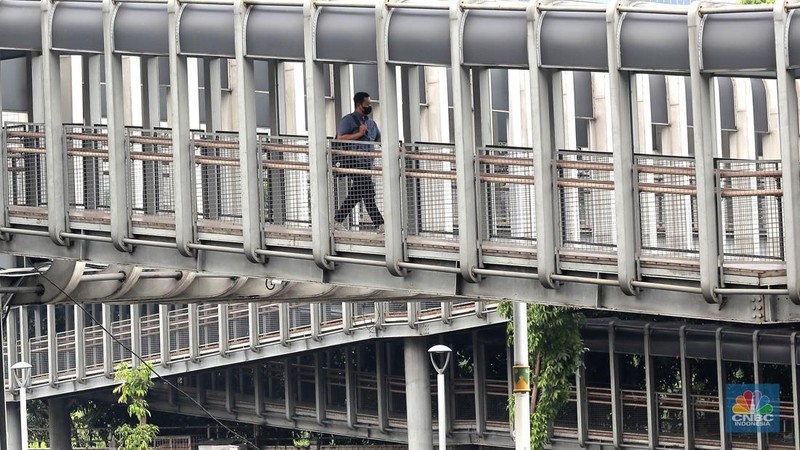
(366, 110)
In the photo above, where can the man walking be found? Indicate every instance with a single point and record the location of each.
(357, 126)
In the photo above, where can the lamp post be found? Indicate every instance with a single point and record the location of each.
(437, 352)
(22, 373)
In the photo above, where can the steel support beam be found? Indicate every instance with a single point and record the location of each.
(651, 385)
(250, 169)
(115, 126)
(182, 151)
(724, 439)
(258, 389)
(252, 324)
(479, 382)
(80, 343)
(382, 385)
(789, 142)
(163, 327)
(290, 386)
(317, 143)
(622, 120)
(465, 151)
(795, 390)
(194, 332)
(393, 198)
(59, 422)
(761, 438)
(108, 343)
(542, 114)
(151, 93)
(351, 388)
(616, 394)
(686, 393)
(222, 324)
(136, 333)
(705, 144)
(52, 346)
(319, 389)
(14, 324)
(57, 199)
(582, 406)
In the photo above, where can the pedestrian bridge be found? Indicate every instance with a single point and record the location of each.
(548, 204)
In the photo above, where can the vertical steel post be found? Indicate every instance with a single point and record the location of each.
(522, 400)
(686, 393)
(724, 440)
(319, 389)
(163, 331)
(80, 344)
(616, 395)
(761, 437)
(479, 382)
(136, 333)
(252, 323)
(652, 393)
(194, 332)
(52, 346)
(795, 390)
(222, 327)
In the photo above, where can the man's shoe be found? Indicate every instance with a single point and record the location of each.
(380, 229)
(339, 226)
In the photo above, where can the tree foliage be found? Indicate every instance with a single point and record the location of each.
(756, 2)
(556, 348)
(136, 383)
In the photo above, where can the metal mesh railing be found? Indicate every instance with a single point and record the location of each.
(93, 341)
(429, 174)
(506, 189)
(208, 327)
(39, 358)
(299, 317)
(585, 183)
(667, 206)
(27, 170)
(238, 323)
(287, 186)
(356, 185)
(179, 331)
(152, 184)
(87, 168)
(363, 312)
(122, 344)
(217, 176)
(331, 316)
(751, 202)
(151, 337)
(65, 351)
(269, 322)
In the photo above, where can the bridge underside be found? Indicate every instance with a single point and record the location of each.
(630, 391)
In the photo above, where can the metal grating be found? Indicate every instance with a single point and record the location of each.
(93, 340)
(150, 339)
(208, 326)
(506, 189)
(122, 331)
(331, 314)
(238, 323)
(287, 187)
(65, 352)
(217, 176)
(27, 171)
(751, 201)
(269, 323)
(179, 331)
(152, 189)
(299, 317)
(363, 312)
(429, 174)
(667, 206)
(356, 185)
(587, 211)
(39, 357)
(87, 168)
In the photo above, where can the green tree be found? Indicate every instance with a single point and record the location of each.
(556, 348)
(755, 2)
(136, 383)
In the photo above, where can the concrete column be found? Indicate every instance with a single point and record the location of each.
(13, 426)
(418, 394)
(60, 422)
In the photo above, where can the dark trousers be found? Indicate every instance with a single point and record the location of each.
(360, 187)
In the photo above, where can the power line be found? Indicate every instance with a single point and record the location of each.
(152, 369)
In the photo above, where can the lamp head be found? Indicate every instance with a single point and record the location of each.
(440, 351)
(22, 371)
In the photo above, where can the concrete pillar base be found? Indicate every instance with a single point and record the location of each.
(60, 423)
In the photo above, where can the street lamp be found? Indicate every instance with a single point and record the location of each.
(22, 373)
(438, 352)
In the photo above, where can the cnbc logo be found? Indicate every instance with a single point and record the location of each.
(752, 408)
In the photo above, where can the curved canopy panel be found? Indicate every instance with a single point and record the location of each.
(141, 29)
(495, 38)
(573, 40)
(206, 30)
(345, 35)
(654, 43)
(738, 43)
(274, 32)
(78, 27)
(20, 25)
(793, 39)
(419, 36)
